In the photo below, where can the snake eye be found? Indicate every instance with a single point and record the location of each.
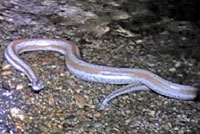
(37, 85)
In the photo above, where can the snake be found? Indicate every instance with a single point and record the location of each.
(134, 79)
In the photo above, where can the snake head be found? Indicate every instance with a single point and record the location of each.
(37, 85)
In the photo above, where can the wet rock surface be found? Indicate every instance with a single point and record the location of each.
(113, 33)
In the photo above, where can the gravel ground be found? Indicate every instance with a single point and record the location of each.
(112, 33)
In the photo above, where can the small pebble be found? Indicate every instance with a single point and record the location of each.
(172, 69)
(6, 66)
(80, 100)
(51, 100)
(1, 18)
(100, 30)
(139, 41)
(19, 86)
(6, 73)
(9, 84)
(178, 64)
(17, 113)
(152, 113)
(97, 114)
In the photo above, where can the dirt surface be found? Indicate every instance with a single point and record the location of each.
(118, 33)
